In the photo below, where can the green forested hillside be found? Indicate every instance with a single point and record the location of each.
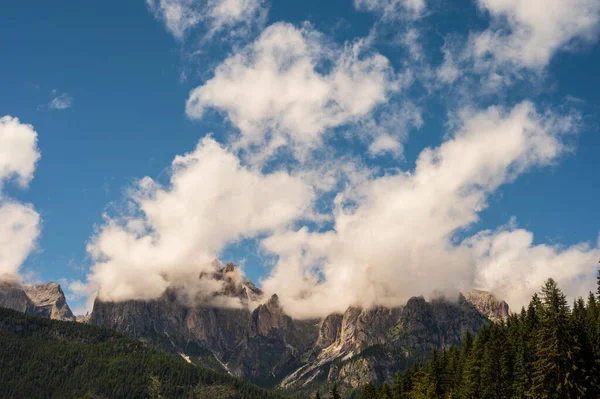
(549, 350)
(42, 358)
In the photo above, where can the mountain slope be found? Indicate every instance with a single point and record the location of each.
(55, 359)
(262, 344)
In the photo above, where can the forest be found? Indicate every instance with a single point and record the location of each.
(547, 350)
(41, 358)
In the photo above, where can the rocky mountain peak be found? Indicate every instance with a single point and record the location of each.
(487, 303)
(49, 300)
(46, 300)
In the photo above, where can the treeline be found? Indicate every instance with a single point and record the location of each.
(42, 358)
(549, 350)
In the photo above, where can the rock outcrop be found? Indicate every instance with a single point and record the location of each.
(12, 296)
(45, 300)
(487, 304)
(49, 300)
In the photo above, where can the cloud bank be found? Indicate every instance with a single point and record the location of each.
(174, 233)
(19, 223)
(394, 236)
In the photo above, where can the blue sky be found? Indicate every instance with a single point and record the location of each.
(120, 78)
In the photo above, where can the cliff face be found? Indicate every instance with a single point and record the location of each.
(12, 296)
(45, 300)
(486, 303)
(49, 300)
(260, 343)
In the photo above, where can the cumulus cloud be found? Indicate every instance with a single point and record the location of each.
(392, 9)
(395, 236)
(510, 265)
(291, 86)
(19, 223)
(523, 35)
(174, 232)
(179, 16)
(527, 33)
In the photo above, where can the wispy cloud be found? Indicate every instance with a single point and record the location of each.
(180, 16)
(60, 101)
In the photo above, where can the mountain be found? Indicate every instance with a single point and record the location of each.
(487, 304)
(261, 343)
(12, 296)
(45, 300)
(42, 358)
(49, 301)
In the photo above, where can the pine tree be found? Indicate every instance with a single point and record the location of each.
(555, 348)
(397, 386)
(384, 391)
(333, 392)
(598, 280)
(317, 395)
(471, 379)
(434, 376)
(407, 382)
(369, 392)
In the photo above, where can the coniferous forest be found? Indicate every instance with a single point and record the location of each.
(41, 358)
(549, 350)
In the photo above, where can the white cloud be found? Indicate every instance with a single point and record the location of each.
(392, 9)
(290, 86)
(176, 232)
(60, 101)
(394, 236)
(180, 16)
(509, 265)
(19, 223)
(523, 35)
(527, 33)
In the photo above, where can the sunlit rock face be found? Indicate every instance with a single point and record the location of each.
(258, 341)
(49, 300)
(45, 300)
(486, 303)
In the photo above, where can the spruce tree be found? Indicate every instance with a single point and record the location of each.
(384, 391)
(397, 386)
(555, 348)
(369, 392)
(333, 392)
(317, 395)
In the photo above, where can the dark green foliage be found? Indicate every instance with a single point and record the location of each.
(547, 351)
(42, 358)
(334, 393)
(369, 392)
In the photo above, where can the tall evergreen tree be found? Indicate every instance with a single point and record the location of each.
(384, 391)
(555, 348)
(397, 386)
(369, 392)
(333, 392)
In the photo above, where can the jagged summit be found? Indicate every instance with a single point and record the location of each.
(487, 303)
(46, 300)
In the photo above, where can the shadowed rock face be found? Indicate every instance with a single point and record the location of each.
(259, 342)
(12, 296)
